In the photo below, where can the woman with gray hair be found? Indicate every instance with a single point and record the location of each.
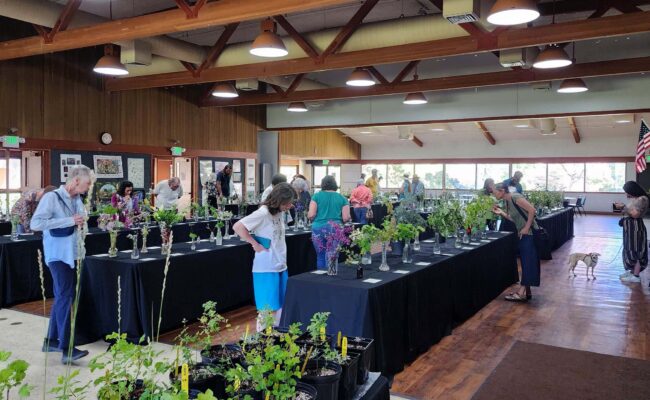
(326, 206)
(302, 190)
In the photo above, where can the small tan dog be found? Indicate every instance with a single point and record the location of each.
(590, 261)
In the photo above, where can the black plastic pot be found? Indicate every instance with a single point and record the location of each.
(366, 350)
(349, 373)
(308, 389)
(233, 352)
(255, 395)
(216, 383)
(327, 386)
(306, 340)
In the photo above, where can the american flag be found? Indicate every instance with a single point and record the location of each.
(642, 147)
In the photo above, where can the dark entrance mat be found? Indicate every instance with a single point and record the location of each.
(533, 371)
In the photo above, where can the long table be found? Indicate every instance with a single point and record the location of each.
(19, 275)
(218, 273)
(412, 306)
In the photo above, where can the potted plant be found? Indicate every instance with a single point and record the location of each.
(166, 217)
(406, 233)
(315, 334)
(324, 376)
(407, 213)
(332, 243)
(349, 363)
(12, 375)
(363, 239)
(445, 219)
(197, 211)
(477, 212)
(366, 350)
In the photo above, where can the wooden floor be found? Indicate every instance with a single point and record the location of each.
(603, 316)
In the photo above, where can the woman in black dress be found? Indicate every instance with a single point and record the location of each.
(635, 237)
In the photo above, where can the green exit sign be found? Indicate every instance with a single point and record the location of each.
(11, 141)
(326, 162)
(177, 151)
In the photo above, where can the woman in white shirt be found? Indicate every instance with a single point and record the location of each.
(267, 238)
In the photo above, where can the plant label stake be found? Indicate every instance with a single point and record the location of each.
(185, 378)
(322, 333)
(338, 340)
(344, 347)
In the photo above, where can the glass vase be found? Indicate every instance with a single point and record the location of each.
(407, 257)
(219, 238)
(135, 253)
(112, 250)
(366, 258)
(384, 265)
(332, 262)
(466, 238)
(165, 247)
(14, 231)
(458, 243)
(301, 220)
(484, 235)
(227, 230)
(211, 236)
(295, 224)
(436, 244)
(193, 245)
(144, 243)
(416, 244)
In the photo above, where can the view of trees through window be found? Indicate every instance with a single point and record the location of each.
(566, 177)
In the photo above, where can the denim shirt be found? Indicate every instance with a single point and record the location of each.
(51, 214)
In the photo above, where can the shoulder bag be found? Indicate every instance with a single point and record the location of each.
(63, 232)
(540, 236)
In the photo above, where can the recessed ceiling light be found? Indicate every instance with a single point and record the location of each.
(524, 123)
(513, 12)
(623, 118)
(439, 127)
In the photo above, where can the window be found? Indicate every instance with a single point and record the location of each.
(289, 171)
(10, 180)
(335, 171)
(381, 172)
(396, 174)
(319, 173)
(534, 175)
(604, 177)
(460, 176)
(566, 177)
(498, 172)
(430, 175)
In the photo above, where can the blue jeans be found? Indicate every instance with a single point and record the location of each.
(360, 214)
(64, 279)
(319, 234)
(530, 271)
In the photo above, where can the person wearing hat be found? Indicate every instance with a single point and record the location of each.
(417, 188)
(405, 190)
(223, 181)
(635, 236)
(514, 183)
(522, 214)
(360, 200)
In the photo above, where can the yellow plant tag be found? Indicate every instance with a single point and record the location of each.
(268, 396)
(246, 334)
(338, 340)
(268, 331)
(236, 385)
(344, 347)
(322, 333)
(185, 378)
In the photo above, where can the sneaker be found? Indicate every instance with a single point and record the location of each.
(631, 279)
(50, 346)
(76, 354)
(625, 274)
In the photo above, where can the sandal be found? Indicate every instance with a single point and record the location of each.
(516, 297)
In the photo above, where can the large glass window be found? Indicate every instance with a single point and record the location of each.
(566, 177)
(604, 177)
(430, 175)
(498, 172)
(534, 175)
(289, 171)
(460, 176)
(381, 172)
(319, 173)
(396, 174)
(10, 180)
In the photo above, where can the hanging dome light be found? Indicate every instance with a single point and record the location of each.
(225, 90)
(360, 77)
(297, 106)
(576, 85)
(552, 57)
(110, 65)
(415, 98)
(513, 12)
(268, 43)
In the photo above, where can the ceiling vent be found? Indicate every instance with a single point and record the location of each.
(547, 127)
(247, 85)
(135, 52)
(541, 86)
(461, 11)
(518, 57)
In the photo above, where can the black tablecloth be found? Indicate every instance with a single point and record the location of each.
(222, 274)
(19, 280)
(5, 228)
(406, 313)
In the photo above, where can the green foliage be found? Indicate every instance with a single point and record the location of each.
(446, 217)
(12, 374)
(210, 324)
(108, 209)
(197, 210)
(317, 323)
(69, 388)
(478, 211)
(407, 232)
(388, 231)
(167, 216)
(541, 199)
(365, 237)
(406, 213)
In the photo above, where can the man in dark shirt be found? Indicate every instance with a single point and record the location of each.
(223, 181)
(514, 182)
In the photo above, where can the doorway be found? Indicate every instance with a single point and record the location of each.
(11, 179)
(181, 167)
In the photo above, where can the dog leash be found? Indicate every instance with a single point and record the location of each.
(615, 256)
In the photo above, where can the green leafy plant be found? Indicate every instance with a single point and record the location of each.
(197, 210)
(407, 232)
(477, 212)
(362, 239)
(446, 218)
(388, 231)
(69, 388)
(317, 325)
(407, 213)
(167, 216)
(12, 374)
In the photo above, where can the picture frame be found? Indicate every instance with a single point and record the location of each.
(108, 166)
(67, 162)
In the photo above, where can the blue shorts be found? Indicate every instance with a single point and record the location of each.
(269, 288)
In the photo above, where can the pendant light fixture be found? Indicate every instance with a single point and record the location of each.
(575, 85)
(513, 12)
(415, 98)
(297, 106)
(552, 57)
(110, 63)
(360, 77)
(225, 90)
(268, 43)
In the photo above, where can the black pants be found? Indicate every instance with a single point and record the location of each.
(212, 201)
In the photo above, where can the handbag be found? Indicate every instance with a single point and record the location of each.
(62, 232)
(369, 214)
(540, 237)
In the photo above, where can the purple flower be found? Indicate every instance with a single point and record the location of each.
(332, 241)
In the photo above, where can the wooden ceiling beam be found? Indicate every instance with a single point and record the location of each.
(347, 30)
(197, 7)
(187, 9)
(625, 7)
(417, 141)
(297, 37)
(574, 129)
(218, 48)
(378, 75)
(617, 25)
(294, 84)
(277, 89)
(190, 67)
(575, 6)
(64, 19)
(405, 71)
(214, 13)
(41, 30)
(486, 132)
(488, 79)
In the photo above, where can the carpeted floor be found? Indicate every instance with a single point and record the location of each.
(533, 371)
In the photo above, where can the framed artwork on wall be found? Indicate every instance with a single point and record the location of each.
(108, 166)
(68, 161)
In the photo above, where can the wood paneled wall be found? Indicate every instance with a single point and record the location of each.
(57, 96)
(318, 143)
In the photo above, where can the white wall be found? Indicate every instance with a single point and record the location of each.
(350, 174)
